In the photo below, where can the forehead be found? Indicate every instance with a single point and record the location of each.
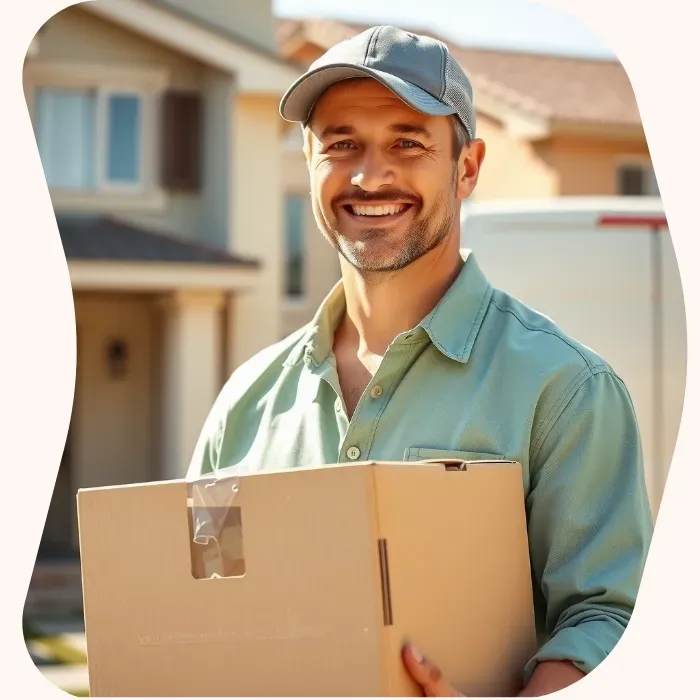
(355, 98)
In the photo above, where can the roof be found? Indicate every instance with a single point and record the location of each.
(102, 238)
(562, 88)
(585, 90)
(185, 13)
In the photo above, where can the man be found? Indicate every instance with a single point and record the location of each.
(415, 351)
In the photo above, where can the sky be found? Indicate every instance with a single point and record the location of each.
(511, 24)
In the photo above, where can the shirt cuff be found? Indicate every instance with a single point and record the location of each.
(585, 645)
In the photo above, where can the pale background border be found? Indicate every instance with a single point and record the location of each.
(655, 43)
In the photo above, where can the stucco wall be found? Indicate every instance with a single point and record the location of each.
(588, 166)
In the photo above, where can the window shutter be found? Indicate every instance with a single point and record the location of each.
(631, 181)
(182, 141)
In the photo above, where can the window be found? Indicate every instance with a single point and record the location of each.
(637, 181)
(90, 139)
(295, 206)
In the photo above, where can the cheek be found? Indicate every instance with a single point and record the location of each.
(434, 182)
(325, 185)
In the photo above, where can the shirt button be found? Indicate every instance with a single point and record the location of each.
(353, 453)
(338, 406)
(376, 392)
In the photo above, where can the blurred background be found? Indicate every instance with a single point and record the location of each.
(182, 203)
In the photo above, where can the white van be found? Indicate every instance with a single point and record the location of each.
(603, 269)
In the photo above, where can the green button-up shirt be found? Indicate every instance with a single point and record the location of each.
(482, 376)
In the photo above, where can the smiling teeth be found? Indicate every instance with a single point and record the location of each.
(386, 210)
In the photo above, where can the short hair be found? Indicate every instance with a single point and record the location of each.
(460, 136)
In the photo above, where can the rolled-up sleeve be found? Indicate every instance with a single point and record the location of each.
(589, 521)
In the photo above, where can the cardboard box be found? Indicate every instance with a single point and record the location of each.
(329, 571)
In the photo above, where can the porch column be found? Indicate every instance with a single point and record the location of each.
(191, 374)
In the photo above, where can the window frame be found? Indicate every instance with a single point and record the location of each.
(105, 80)
(102, 181)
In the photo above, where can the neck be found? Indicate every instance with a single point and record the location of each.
(381, 306)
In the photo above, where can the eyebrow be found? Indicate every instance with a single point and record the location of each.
(405, 129)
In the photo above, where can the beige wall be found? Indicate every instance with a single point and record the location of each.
(559, 166)
(589, 166)
(512, 168)
(256, 222)
(77, 35)
(322, 264)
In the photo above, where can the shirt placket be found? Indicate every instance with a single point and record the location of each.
(359, 436)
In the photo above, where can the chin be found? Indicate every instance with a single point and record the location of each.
(376, 258)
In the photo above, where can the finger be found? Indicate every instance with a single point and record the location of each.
(426, 674)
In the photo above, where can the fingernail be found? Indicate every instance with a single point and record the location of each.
(417, 656)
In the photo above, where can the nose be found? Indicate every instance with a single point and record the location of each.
(373, 172)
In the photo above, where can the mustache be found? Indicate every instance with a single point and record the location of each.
(359, 196)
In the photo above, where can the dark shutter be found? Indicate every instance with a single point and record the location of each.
(182, 141)
(631, 181)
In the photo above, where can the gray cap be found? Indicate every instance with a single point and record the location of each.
(418, 69)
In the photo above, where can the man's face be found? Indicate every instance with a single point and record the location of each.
(385, 186)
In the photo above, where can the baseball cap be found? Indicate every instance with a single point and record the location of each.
(418, 69)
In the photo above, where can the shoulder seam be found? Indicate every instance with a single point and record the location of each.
(548, 422)
(589, 364)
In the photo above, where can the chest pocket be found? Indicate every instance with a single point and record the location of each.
(419, 454)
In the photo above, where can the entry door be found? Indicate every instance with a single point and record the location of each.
(116, 392)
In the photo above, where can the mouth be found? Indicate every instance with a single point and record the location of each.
(373, 214)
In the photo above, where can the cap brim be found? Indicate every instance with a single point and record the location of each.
(298, 102)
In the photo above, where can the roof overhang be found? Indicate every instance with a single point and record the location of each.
(144, 277)
(597, 130)
(255, 71)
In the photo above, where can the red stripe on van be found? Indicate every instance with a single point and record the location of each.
(627, 220)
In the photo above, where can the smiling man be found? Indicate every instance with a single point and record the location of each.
(414, 354)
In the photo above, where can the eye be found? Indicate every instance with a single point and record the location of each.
(408, 143)
(341, 146)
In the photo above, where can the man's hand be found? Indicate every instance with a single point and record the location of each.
(427, 675)
(549, 676)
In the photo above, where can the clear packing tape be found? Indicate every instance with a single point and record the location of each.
(216, 537)
(216, 534)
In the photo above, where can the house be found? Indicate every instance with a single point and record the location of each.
(553, 126)
(158, 130)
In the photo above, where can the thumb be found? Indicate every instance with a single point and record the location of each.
(428, 676)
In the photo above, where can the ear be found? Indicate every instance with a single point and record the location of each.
(469, 167)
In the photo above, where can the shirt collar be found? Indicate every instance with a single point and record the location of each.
(455, 322)
(452, 325)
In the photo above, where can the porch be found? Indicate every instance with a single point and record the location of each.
(155, 343)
